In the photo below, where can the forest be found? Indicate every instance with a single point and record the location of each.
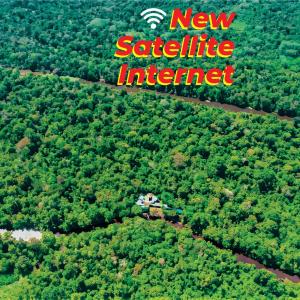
(135, 260)
(77, 152)
(75, 156)
(78, 38)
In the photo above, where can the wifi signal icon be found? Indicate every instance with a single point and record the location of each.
(153, 15)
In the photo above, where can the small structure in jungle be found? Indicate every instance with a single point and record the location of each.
(153, 207)
(150, 200)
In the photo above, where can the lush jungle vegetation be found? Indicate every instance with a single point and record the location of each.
(135, 260)
(75, 156)
(78, 38)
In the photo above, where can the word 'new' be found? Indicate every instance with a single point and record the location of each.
(200, 20)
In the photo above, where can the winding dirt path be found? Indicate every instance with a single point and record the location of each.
(245, 259)
(232, 108)
(224, 106)
(29, 235)
(133, 90)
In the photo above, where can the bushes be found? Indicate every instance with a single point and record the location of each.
(79, 40)
(140, 260)
(229, 170)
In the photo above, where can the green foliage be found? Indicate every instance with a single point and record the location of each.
(19, 290)
(76, 156)
(97, 22)
(5, 278)
(78, 39)
(141, 260)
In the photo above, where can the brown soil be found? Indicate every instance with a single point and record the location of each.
(133, 90)
(247, 260)
(240, 257)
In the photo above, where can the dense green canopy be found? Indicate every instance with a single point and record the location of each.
(77, 156)
(135, 260)
(78, 38)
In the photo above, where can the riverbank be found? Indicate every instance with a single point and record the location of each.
(133, 90)
(248, 249)
(35, 235)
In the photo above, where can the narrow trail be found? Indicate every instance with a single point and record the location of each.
(224, 106)
(134, 90)
(29, 235)
(228, 107)
(245, 259)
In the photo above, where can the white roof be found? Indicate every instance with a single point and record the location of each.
(24, 235)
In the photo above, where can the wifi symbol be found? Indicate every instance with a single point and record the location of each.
(154, 15)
